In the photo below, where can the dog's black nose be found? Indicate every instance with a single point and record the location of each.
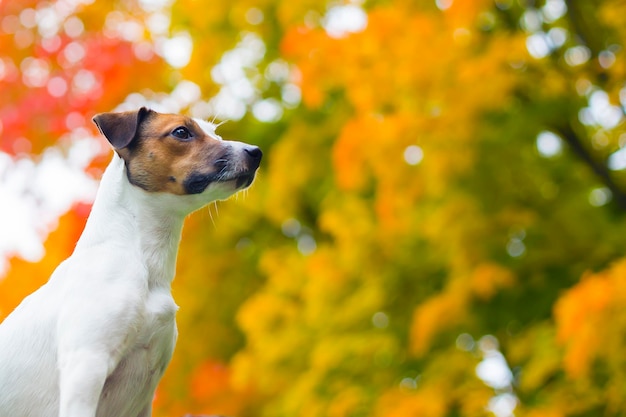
(254, 154)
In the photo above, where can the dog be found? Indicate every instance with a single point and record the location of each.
(95, 340)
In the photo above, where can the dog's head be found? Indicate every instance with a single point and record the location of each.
(178, 155)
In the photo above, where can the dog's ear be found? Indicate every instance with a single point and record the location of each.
(120, 128)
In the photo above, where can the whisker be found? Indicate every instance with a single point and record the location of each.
(222, 174)
(221, 123)
(216, 115)
(211, 216)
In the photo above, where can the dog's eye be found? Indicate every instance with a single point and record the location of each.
(181, 133)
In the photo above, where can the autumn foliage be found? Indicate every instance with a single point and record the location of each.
(437, 228)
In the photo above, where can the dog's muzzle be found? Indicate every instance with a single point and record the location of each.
(243, 174)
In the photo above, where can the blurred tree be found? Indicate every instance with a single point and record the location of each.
(436, 230)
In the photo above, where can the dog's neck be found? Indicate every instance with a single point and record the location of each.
(150, 224)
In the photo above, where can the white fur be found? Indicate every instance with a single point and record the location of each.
(96, 339)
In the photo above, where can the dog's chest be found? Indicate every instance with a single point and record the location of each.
(129, 388)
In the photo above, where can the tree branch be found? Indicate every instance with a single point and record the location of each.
(599, 168)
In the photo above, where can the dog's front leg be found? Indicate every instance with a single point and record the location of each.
(82, 376)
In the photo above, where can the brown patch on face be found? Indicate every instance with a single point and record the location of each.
(159, 161)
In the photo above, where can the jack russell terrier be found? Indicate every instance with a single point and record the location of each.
(95, 340)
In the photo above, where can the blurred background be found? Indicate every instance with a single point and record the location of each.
(437, 228)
